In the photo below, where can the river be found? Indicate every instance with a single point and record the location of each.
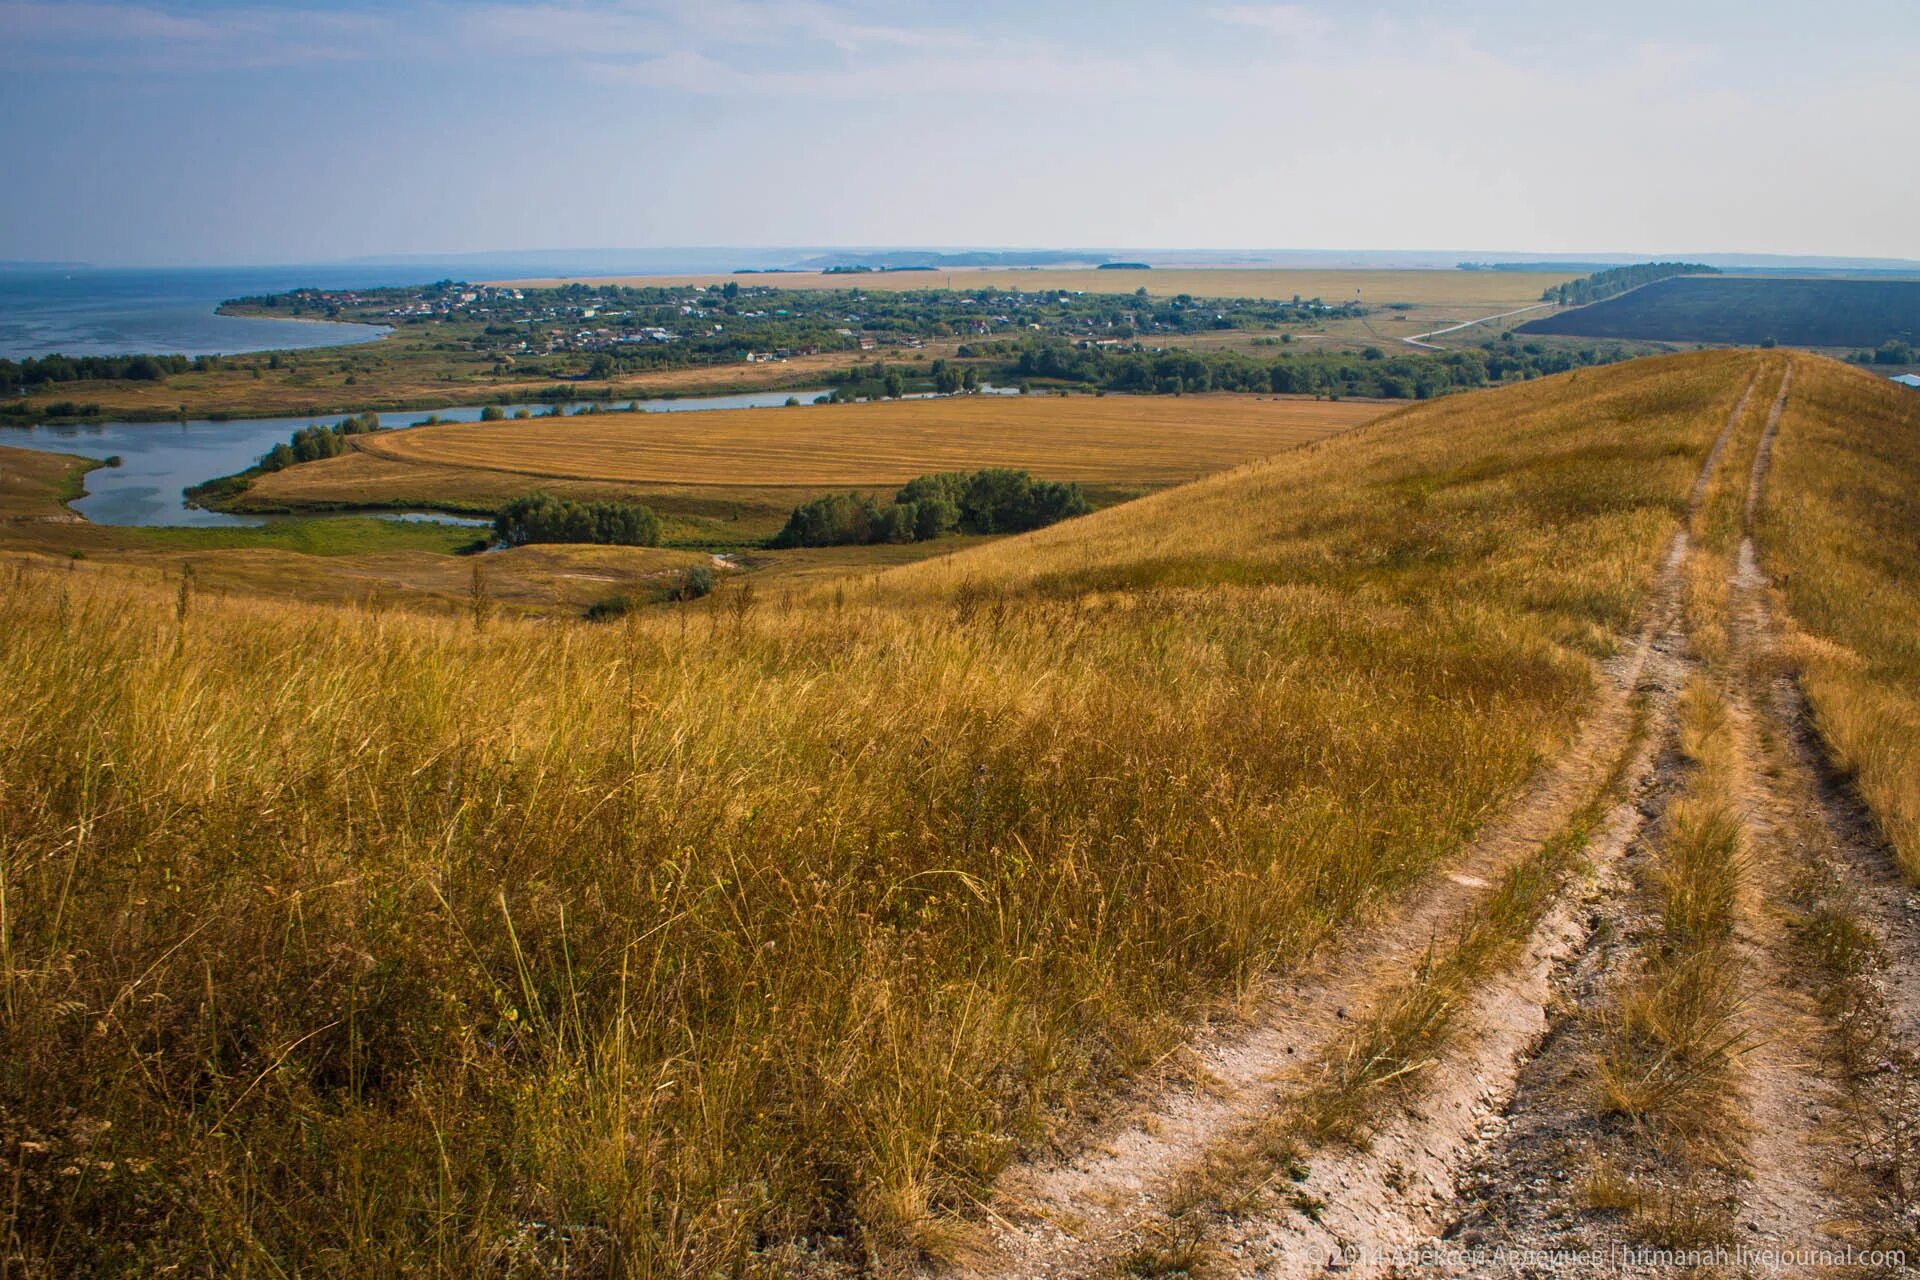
(159, 460)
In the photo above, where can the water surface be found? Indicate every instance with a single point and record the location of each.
(161, 459)
(109, 313)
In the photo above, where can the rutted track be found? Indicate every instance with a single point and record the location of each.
(1077, 1217)
(1817, 827)
(1799, 1136)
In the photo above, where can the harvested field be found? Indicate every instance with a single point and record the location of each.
(1114, 439)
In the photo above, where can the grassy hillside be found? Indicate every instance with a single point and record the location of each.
(335, 941)
(1843, 528)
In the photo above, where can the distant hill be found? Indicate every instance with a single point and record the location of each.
(898, 259)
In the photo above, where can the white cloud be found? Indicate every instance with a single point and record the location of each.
(1003, 73)
(567, 29)
(34, 32)
(600, 29)
(1288, 21)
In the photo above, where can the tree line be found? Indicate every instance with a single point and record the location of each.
(1605, 284)
(994, 500)
(1369, 374)
(542, 517)
(39, 371)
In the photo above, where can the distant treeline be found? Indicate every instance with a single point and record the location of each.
(310, 444)
(36, 372)
(996, 500)
(1605, 284)
(880, 381)
(541, 517)
(1372, 374)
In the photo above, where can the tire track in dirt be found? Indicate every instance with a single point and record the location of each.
(1816, 824)
(1076, 1216)
(1402, 1191)
(1785, 1203)
(1799, 1131)
(1055, 1213)
(1473, 1126)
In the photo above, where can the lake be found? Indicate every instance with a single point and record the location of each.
(108, 313)
(161, 459)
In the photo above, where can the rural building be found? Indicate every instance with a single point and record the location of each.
(1909, 380)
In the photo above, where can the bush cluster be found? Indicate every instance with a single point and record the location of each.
(996, 500)
(541, 517)
(310, 444)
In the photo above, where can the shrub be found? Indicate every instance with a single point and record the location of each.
(694, 583)
(996, 500)
(608, 608)
(837, 519)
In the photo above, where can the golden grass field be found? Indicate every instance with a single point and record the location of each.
(732, 476)
(33, 484)
(1489, 289)
(1151, 440)
(341, 940)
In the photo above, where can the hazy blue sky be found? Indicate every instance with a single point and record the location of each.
(196, 131)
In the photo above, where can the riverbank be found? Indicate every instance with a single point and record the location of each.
(410, 370)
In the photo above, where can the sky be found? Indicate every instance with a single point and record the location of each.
(195, 131)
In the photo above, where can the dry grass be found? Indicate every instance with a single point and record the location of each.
(334, 941)
(1840, 532)
(1494, 290)
(34, 485)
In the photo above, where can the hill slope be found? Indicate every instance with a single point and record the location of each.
(339, 941)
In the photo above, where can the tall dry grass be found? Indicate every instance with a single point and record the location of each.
(334, 942)
(1840, 531)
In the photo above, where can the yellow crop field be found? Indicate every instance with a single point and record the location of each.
(1143, 440)
(1425, 288)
